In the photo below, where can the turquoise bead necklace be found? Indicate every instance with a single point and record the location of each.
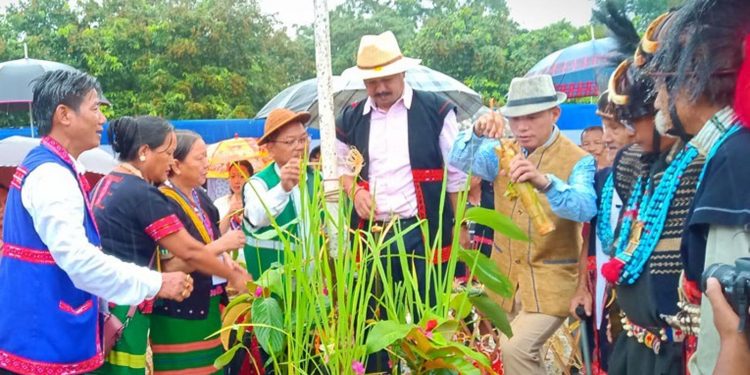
(603, 225)
(653, 215)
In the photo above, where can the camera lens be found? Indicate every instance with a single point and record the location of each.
(723, 272)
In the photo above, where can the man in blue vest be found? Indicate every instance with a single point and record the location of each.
(52, 270)
(405, 137)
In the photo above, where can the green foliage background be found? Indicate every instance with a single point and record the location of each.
(191, 59)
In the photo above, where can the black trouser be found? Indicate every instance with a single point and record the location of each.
(414, 245)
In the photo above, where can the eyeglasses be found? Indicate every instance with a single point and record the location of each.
(295, 141)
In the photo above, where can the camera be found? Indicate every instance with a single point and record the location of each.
(735, 283)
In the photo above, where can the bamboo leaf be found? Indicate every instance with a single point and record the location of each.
(273, 234)
(384, 333)
(493, 312)
(487, 272)
(266, 311)
(461, 305)
(497, 221)
(227, 356)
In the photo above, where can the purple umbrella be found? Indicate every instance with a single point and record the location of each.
(581, 69)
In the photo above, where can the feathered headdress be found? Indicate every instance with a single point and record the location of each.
(704, 56)
(631, 92)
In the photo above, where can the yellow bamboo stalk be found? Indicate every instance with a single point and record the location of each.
(506, 151)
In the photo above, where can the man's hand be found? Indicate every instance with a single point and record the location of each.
(363, 203)
(725, 319)
(490, 125)
(522, 170)
(290, 174)
(175, 286)
(231, 240)
(582, 297)
(734, 355)
(463, 237)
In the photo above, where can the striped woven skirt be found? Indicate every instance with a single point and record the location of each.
(128, 356)
(180, 346)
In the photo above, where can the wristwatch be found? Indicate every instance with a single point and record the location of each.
(551, 182)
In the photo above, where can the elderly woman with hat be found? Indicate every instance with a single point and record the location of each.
(544, 271)
(275, 189)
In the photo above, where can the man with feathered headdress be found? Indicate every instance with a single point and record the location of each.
(698, 77)
(657, 179)
(593, 293)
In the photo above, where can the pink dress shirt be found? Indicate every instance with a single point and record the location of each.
(390, 177)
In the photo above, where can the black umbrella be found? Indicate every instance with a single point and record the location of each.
(16, 79)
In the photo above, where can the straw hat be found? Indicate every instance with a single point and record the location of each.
(529, 95)
(278, 118)
(380, 56)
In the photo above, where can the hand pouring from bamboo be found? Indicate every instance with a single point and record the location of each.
(506, 151)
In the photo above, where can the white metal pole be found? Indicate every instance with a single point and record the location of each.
(31, 120)
(326, 117)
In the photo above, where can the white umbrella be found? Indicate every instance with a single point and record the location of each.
(14, 149)
(347, 89)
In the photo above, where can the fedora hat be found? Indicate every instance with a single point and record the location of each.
(379, 56)
(529, 95)
(278, 118)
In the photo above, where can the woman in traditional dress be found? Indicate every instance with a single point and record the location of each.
(133, 217)
(179, 330)
(231, 205)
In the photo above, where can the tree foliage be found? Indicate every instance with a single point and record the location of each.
(644, 11)
(224, 59)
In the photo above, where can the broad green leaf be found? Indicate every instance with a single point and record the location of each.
(474, 355)
(271, 279)
(384, 333)
(497, 221)
(487, 272)
(267, 312)
(463, 365)
(493, 312)
(461, 305)
(227, 356)
(448, 328)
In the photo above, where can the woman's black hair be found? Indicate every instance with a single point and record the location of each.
(127, 134)
(243, 163)
(590, 129)
(185, 141)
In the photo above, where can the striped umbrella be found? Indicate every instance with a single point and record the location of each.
(581, 70)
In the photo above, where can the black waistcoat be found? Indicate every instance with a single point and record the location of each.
(425, 117)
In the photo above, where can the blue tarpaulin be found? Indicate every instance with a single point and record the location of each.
(212, 131)
(574, 118)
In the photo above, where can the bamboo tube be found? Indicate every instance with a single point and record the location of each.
(506, 151)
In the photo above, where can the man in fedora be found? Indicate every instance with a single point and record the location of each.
(405, 137)
(544, 270)
(275, 188)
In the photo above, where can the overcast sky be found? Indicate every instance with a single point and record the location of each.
(530, 14)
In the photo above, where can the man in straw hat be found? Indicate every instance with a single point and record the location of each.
(543, 271)
(275, 188)
(699, 72)
(405, 137)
